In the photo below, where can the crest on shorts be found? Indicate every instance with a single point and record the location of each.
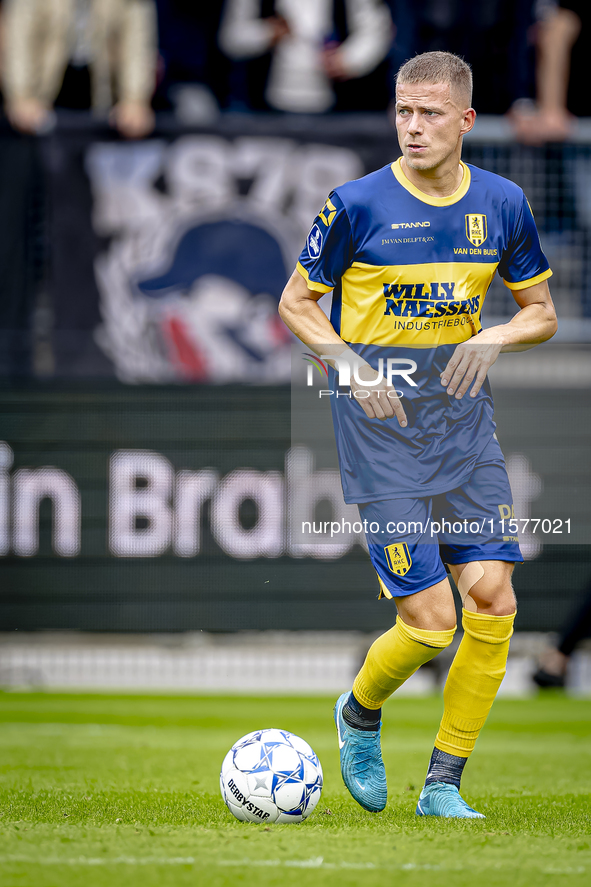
(398, 558)
(476, 228)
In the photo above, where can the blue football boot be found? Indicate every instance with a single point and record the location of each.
(362, 767)
(443, 799)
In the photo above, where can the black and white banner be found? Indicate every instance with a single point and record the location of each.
(173, 252)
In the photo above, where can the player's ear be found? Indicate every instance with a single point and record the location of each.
(468, 121)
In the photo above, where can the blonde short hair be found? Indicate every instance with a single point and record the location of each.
(438, 67)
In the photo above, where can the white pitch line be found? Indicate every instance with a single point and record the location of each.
(99, 860)
(314, 863)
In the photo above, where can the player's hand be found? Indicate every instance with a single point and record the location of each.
(469, 364)
(382, 402)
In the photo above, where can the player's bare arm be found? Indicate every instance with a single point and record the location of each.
(300, 311)
(535, 323)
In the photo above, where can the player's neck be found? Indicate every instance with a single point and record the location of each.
(439, 182)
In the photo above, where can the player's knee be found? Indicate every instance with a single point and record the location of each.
(494, 598)
(443, 621)
(487, 587)
(432, 609)
(438, 617)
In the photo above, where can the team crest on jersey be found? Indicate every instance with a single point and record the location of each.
(328, 213)
(314, 242)
(476, 228)
(398, 558)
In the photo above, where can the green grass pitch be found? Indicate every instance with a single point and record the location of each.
(104, 790)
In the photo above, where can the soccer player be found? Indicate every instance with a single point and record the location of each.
(409, 252)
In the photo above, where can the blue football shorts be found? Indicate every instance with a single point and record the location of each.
(410, 540)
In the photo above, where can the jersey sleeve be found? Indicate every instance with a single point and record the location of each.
(523, 263)
(329, 247)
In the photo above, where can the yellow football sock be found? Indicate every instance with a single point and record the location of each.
(473, 681)
(393, 658)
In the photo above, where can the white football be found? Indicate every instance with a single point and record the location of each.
(271, 776)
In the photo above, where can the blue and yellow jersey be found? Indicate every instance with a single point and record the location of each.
(409, 274)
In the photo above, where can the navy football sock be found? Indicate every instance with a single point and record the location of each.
(360, 717)
(444, 767)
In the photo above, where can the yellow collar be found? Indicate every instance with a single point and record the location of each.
(427, 198)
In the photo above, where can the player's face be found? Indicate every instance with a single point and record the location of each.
(430, 122)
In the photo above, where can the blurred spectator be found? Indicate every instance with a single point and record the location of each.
(80, 54)
(191, 59)
(564, 44)
(493, 36)
(553, 666)
(308, 50)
